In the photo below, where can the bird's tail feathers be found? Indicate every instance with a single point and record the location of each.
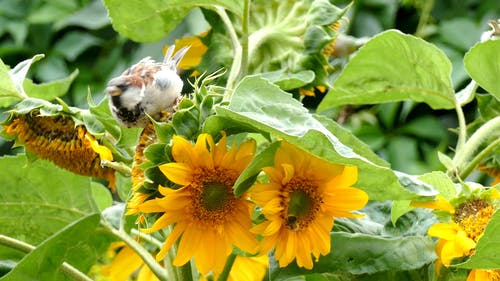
(172, 60)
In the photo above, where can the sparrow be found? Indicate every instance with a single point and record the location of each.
(146, 88)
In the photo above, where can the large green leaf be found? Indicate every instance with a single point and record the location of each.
(392, 67)
(261, 105)
(487, 253)
(43, 263)
(482, 63)
(49, 90)
(358, 253)
(37, 199)
(149, 21)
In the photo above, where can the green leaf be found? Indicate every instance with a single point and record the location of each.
(287, 81)
(358, 253)
(262, 106)
(93, 16)
(19, 72)
(487, 253)
(149, 21)
(482, 63)
(42, 196)
(393, 67)
(441, 182)
(249, 175)
(74, 43)
(44, 262)
(49, 90)
(101, 195)
(8, 90)
(488, 106)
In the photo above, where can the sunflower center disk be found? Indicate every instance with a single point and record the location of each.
(214, 196)
(302, 205)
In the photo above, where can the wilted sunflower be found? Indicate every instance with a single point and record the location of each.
(208, 219)
(56, 138)
(303, 196)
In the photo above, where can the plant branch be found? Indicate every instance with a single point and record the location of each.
(479, 157)
(155, 267)
(236, 66)
(465, 152)
(66, 268)
(462, 127)
(244, 38)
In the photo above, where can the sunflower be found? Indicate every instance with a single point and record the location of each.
(59, 140)
(208, 219)
(300, 201)
(459, 237)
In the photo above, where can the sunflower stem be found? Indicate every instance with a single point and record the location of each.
(244, 39)
(236, 66)
(465, 152)
(149, 260)
(462, 126)
(479, 157)
(227, 267)
(66, 268)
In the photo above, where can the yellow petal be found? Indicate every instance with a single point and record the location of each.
(440, 204)
(189, 243)
(177, 172)
(174, 235)
(447, 231)
(183, 152)
(123, 265)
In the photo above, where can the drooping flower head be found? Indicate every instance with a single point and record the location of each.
(303, 196)
(57, 139)
(208, 219)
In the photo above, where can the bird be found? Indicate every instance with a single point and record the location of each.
(146, 88)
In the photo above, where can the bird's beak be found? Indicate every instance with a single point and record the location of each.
(113, 91)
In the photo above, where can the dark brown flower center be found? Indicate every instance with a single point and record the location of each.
(212, 195)
(301, 201)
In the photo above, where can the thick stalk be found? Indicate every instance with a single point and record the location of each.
(236, 66)
(465, 152)
(479, 157)
(244, 39)
(66, 268)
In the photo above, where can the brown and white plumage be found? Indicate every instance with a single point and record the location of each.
(146, 88)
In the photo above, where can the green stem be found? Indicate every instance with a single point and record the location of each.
(465, 152)
(462, 126)
(424, 17)
(184, 272)
(155, 267)
(479, 157)
(66, 268)
(244, 39)
(236, 66)
(227, 267)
